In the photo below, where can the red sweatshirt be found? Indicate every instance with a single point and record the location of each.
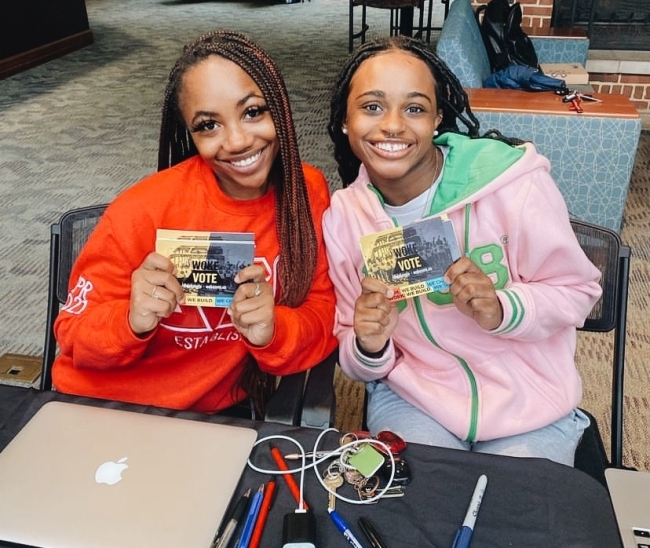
(193, 358)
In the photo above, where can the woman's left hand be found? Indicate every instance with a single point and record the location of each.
(474, 294)
(253, 306)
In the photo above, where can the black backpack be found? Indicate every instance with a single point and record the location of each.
(506, 43)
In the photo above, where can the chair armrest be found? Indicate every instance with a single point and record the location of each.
(513, 101)
(319, 402)
(306, 398)
(286, 402)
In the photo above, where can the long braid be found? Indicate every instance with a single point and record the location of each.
(451, 98)
(293, 219)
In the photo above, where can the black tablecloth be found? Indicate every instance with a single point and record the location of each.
(528, 503)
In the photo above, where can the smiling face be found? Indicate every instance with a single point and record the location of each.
(230, 124)
(391, 116)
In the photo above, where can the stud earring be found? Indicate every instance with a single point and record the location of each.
(435, 132)
(344, 130)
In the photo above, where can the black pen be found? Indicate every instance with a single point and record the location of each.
(224, 521)
(371, 533)
(229, 529)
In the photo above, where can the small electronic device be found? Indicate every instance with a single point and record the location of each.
(299, 530)
(402, 470)
(630, 494)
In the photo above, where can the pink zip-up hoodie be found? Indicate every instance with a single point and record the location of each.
(511, 220)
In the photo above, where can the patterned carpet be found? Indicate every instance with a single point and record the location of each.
(594, 350)
(78, 130)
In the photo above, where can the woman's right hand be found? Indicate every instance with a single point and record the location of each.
(375, 317)
(155, 293)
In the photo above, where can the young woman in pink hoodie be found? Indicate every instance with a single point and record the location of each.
(488, 364)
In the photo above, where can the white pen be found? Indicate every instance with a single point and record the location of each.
(319, 455)
(464, 534)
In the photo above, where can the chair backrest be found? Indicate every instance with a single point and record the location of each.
(604, 248)
(67, 238)
(307, 398)
(460, 45)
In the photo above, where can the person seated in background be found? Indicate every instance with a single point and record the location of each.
(486, 365)
(228, 162)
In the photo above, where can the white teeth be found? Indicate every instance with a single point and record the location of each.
(391, 147)
(248, 161)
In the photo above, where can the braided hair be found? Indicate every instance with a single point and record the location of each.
(451, 98)
(293, 219)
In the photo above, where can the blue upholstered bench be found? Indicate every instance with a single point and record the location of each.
(460, 46)
(591, 154)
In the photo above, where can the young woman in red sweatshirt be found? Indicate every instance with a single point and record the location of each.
(228, 162)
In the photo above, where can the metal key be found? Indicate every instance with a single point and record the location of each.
(333, 482)
(394, 492)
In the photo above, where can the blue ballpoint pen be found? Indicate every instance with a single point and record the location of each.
(342, 526)
(464, 535)
(249, 524)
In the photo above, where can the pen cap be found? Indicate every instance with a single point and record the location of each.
(463, 537)
(371, 533)
(299, 530)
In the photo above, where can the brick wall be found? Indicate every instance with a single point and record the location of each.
(537, 13)
(635, 86)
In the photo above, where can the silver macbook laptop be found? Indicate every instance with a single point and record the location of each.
(630, 494)
(77, 477)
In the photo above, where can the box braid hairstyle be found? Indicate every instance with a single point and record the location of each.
(451, 98)
(294, 223)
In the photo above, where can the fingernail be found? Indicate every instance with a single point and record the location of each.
(236, 279)
(390, 293)
(446, 279)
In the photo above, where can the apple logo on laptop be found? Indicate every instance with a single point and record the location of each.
(111, 472)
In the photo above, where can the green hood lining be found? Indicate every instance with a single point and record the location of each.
(471, 164)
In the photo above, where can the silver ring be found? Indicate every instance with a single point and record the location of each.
(257, 291)
(153, 293)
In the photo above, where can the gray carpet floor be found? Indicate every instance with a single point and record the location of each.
(78, 130)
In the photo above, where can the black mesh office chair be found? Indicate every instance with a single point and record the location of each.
(67, 238)
(604, 248)
(305, 398)
(400, 22)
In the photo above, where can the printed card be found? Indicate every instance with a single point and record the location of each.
(412, 258)
(207, 262)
